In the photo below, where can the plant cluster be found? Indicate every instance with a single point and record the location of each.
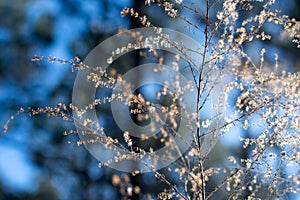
(266, 98)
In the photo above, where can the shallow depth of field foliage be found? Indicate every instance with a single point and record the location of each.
(253, 121)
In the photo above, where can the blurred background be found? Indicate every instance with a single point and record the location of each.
(36, 160)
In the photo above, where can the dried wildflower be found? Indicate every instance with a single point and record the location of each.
(268, 102)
